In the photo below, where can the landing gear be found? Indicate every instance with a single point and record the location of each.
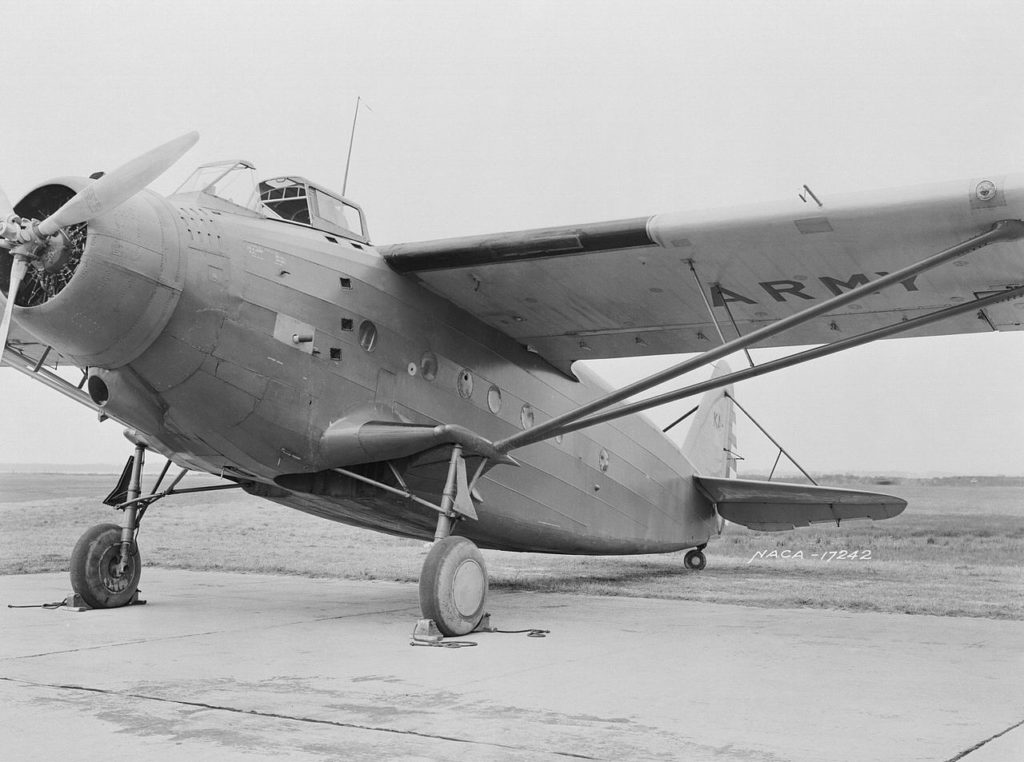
(695, 559)
(96, 570)
(453, 583)
(453, 586)
(105, 564)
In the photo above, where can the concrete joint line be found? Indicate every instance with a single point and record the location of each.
(276, 716)
(977, 746)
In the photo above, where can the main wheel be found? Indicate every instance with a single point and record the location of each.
(695, 559)
(94, 568)
(453, 586)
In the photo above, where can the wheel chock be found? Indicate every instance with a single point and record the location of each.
(74, 602)
(426, 631)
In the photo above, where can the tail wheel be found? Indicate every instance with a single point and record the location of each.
(94, 564)
(695, 560)
(453, 586)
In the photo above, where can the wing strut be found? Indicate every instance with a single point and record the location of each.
(732, 319)
(1004, 230)
(704, 296)
(782, 450)
(711, 311)
(795, 359)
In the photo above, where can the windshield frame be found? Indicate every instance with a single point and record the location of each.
(206, 179)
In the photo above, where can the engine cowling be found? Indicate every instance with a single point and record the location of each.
(102, 297)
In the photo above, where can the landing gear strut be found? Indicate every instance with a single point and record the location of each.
(453, 583)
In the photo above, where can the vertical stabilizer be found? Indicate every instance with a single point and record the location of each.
(711, 441)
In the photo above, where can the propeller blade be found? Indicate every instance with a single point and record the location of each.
(5, 205)
(116, 187)
(18, 269)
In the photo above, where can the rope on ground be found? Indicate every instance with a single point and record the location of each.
(54, 605)
(530, 632)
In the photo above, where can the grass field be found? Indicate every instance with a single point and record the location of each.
(958, 550)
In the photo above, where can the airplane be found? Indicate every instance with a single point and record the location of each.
(249, 329)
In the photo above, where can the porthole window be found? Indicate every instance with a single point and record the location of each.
(494, 399)
(526, 416)
(465, 384)
(368, 336)
(428, 366)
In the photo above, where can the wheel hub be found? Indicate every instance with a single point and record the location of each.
(112, 580)
(468, 587)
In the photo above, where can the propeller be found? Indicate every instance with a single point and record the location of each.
(18, 269)
(26, 239)
(116, 187)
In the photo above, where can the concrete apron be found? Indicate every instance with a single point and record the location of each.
(233, 666)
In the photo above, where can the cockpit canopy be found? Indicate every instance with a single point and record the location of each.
(290, 198)
(299, 200)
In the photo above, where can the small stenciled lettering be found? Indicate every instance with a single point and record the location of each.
(785, 554)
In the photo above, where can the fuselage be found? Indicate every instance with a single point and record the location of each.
(274, 331)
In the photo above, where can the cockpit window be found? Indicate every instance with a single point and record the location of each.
(297, 200)
(232, 181)
(286, 198)
(336, 211)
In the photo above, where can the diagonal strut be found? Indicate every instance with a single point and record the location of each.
(1005, 230)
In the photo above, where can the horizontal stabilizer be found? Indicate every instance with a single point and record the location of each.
(775, 506)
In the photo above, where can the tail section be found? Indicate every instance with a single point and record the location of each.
(711, 440)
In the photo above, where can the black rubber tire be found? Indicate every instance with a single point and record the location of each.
(453, 586)
(92, 568)
(695, 560)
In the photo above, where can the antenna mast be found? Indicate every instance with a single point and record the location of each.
(351, 141)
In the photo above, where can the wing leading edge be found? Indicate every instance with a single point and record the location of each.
(775, 506)
(633, 287)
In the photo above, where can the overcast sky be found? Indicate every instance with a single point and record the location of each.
(502, 116)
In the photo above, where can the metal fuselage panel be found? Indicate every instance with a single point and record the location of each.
(264, 352)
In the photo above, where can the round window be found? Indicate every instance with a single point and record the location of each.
(526, 416)
(465, 384)
(494, 399)
(368, 336)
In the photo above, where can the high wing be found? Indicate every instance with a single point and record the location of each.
(633, 287)
(775, 507)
